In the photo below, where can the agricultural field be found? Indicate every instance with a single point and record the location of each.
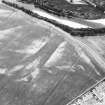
(41, 64)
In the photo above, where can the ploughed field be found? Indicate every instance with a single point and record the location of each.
(41, 65)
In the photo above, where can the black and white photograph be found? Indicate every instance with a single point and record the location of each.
(52, 52)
